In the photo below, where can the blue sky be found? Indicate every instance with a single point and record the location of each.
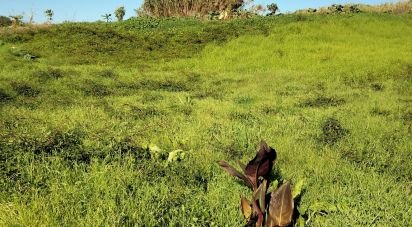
(91, 10)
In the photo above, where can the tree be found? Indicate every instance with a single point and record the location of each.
(16, 19)
(107, 17)
(273, 8)
(49, 15)
(119, 13)
(5, 21)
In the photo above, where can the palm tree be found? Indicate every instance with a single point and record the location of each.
(107, 17)
(49, 14)
(119, 13)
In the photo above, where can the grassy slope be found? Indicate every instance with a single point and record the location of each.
(74, 121)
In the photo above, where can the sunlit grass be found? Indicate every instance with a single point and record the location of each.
(73, 132)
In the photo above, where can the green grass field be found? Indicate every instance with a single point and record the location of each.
(80, 123)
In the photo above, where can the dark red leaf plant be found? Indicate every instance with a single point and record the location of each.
(273, 209)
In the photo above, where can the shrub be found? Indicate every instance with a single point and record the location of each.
(171, 8)
(336, 8)
(17, 19)
(323, 102)
(354, 9)
(5, 21)
(22, 53)
(107, 73)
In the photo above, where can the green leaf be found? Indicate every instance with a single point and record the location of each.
(273, 186)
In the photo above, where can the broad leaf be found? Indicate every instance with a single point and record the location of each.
(260, 195)
(246, 208)
(232, 171)
(261, 165)
(281, 206)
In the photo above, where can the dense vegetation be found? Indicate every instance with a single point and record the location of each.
(5, 21)
(399, 7)
(168, 8)
(122, 123)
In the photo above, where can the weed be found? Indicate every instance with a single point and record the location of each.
(48, 74)
(323, 102)
(107, 73)
(92, 88)
(144, 112)
(167, 85)
(275, 209)
(245, 117)
(4, 96)
(244, 100)
(127, 146)
(380, 112)
(66, 144)
(332, 131)
(407, 116)
(269, 110)
(209, 92)
(25, 89)
(377, 87)
(22, 53)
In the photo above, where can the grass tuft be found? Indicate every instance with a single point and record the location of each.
(333, 131)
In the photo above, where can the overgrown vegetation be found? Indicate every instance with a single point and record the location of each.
(170, 8)
(122, 123)
(399, 7)
(5, 21)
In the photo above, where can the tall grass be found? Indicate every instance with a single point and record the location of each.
(403, 6)
(400, 7)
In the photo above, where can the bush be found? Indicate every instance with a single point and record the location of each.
(336, 8)
(5, 21)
